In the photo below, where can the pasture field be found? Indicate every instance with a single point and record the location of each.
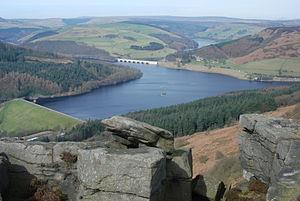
(20, 118)
(271, 67)
(275, 67)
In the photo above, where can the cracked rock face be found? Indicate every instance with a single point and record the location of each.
(270, 150)
(127, 174)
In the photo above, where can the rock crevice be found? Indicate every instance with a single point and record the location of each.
(270, 152)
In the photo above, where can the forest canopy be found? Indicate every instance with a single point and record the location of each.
(216, 112)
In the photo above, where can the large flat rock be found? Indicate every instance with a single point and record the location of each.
(139, 172)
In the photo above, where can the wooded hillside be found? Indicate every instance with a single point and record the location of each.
(26, 73)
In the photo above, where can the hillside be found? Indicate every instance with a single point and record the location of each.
(71, 49)
(219, 29)
(272, 54)
(117, 39)
(21, 118)
(223, 140)
(280, 42)
(216, 152)
(27, 73)
(107, 37)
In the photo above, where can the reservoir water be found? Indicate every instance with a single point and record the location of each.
(158, 87)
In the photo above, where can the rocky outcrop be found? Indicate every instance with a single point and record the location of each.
(270, 152)
(134, 131)
(135, 162)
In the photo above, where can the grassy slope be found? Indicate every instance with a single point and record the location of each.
(287, 67)
(119, 45)
(19, 118)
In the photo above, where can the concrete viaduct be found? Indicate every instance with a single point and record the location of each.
(138, 61)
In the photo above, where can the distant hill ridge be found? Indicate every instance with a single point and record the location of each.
(275, 42)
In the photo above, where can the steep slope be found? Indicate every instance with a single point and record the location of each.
(216, 153)
(276, 43)
(221, 143)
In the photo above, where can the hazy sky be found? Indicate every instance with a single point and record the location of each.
(266, 9)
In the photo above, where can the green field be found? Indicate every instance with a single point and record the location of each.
(271, 67)
(21, 118)
(116, 38)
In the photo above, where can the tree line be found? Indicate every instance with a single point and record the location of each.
(214, 112)
(201, 115)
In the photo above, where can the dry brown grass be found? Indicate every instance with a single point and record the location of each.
(212, 143)
(68, 157)
(258, 186)
(43, 191)
(217, 141)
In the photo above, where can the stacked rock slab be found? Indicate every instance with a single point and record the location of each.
(270, 151)
(178, 179)
(135, 131)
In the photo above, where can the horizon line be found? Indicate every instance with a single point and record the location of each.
(145, 16)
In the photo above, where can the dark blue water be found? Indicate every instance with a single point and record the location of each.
(148, 92)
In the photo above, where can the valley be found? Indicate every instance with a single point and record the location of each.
(270, 55)
(149, 108)
(179, 86)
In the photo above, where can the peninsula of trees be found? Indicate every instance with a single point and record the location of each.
(27, 73)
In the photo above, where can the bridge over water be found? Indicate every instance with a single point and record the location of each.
(138, 61)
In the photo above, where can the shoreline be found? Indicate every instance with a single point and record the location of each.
(224, 71)
(202, 69)
(45, 99)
